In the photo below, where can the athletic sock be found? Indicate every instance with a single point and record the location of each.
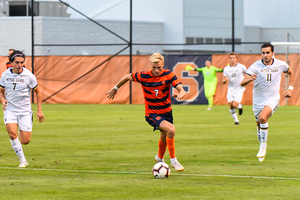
(258, 134)
(210, 101)
(239, 106)
(171, 147)
(233, 115)
(264, 132)
(17, 147)
(161, 149)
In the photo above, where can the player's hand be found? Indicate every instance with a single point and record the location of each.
(253, 77)
(4, 105)
(189, 68)
(40, 116)
(111, 94)
(178, 96)
(288, 93)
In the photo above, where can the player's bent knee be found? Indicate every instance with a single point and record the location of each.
(262, 120)
(171, 132)
(25, 142)
(12, 137)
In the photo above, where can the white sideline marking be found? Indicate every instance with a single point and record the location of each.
(172, 174)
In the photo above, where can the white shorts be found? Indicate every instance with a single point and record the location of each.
(258, 108)
(24, 121)
(234, 96)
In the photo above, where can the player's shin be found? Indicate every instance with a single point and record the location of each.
(17, 147)
(258, 134)
(161, 149)
(210, 101)
(171, 147)
(233, 114)
(264, 132)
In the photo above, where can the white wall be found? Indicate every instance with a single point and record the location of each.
(272, 13)
(167, 11)
(54, 30)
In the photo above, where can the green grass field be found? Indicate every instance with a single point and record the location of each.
(107, 152)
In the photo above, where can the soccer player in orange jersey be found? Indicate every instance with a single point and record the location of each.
(8, 64)
(156, 85)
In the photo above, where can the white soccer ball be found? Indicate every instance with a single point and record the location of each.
(161, 170)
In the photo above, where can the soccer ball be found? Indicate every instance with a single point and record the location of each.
(161, 170)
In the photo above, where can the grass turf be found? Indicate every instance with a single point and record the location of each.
(107, 152)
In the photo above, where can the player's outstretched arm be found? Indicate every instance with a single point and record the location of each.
(39, 114)
(111, 94)
(181, 93)
(189, 68)
(219, 70)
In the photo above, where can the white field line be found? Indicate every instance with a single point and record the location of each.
(172, 174)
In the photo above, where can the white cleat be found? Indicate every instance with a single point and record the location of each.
(261, 159)
(176, 165)
(262, 150)
(209, 108)
(157, 159)
(23, 164)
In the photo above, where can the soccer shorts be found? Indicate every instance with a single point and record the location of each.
(258, 108)
(234, 96)
(155, 119)
(24, 121)
(210, 89)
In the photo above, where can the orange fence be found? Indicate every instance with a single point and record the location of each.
(57, 72)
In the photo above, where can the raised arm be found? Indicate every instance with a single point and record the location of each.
(111, 94)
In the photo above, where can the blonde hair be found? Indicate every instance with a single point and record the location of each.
(156, 58)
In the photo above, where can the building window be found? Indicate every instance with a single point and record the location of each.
(199, 40)
(228, 40)
(209, 40)
(218, 40)
(189, 40)
(238, 41)
(17, 10)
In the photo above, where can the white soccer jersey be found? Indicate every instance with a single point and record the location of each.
(17, 90)
(235, 76)
(267, 84)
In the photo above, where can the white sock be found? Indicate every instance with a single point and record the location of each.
(239, 106)
(264, 133)
(233, 114)
(17, 147)
(258, 134)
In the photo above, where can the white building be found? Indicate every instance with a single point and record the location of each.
(199, 23)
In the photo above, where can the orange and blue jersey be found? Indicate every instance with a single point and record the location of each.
(156, 90)
(8, 65)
